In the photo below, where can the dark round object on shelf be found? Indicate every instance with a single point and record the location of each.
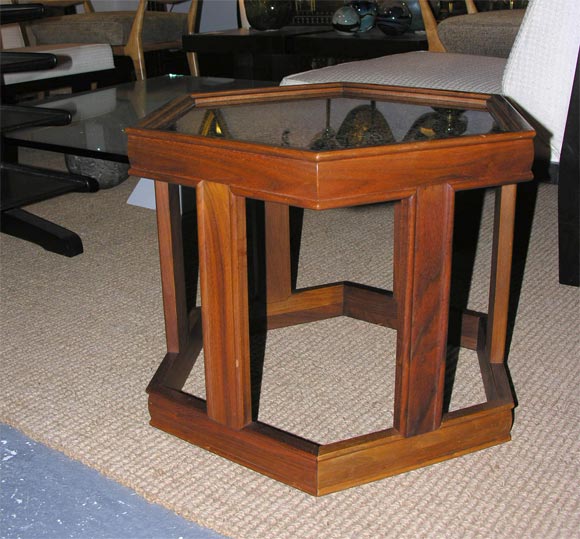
(268, 14)
(346, 20)
(367, 11)
(394, 18)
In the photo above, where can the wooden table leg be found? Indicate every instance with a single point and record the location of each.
(172, 267)
(278, 252)
(501, 265)
(424, 224)
(419, 311)
(224, 303)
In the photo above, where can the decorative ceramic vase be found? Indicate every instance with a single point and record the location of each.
(346, 20)
(367, 11)
(364, 126)
(442, 123)
(268, 14)
(326, 139)
(394, 17)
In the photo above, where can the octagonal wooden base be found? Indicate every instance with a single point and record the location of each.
(323, 469)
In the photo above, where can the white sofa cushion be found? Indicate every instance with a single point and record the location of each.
(447, 71)
(73, 59)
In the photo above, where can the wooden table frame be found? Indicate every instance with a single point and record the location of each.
(418, 307)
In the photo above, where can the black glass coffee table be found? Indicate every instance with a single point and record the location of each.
(100, 117)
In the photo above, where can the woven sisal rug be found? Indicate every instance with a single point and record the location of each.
(82, 337)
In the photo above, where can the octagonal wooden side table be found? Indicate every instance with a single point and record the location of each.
(284, 146)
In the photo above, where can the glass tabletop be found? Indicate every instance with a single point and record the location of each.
(333, 123)
(100, 117)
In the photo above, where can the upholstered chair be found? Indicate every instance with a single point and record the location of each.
(79, 65)
(130, 33)
(538, 76)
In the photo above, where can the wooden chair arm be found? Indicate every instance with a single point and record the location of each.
(430, 23)
(134, 46)
(192, 28)
(471, 8)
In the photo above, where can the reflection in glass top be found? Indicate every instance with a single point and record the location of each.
(332, 123)
(99, 117)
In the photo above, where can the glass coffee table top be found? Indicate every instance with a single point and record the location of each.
(100, 117)
(311, 144)
(335, 123)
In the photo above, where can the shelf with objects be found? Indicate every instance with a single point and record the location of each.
(305, 41)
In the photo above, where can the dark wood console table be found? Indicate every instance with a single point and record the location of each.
(251, 54)
(268, 145)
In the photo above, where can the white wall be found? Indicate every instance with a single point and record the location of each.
(215, 14)
(218, 15)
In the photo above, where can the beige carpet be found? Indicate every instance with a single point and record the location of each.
(82, 337)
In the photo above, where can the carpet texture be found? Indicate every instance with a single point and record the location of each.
(82, 337)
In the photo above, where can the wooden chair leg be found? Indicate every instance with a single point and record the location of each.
(134, 46)
(193, 64)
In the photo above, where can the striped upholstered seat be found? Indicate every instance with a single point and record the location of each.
(490, 33)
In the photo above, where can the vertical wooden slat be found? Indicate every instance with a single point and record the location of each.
(403, 252)
(423, 308)
(172, 267)
(224, 303)
(278, 252)
(501, 266)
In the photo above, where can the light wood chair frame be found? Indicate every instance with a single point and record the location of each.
(430, 22)
(135, 48)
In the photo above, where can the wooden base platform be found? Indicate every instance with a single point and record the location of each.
(323, 469)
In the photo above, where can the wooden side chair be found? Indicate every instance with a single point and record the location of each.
(538, 76)
(79, 65)
(129, 33)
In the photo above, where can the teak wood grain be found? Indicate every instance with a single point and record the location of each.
(422, 179)
(224, 299)
(172, 268)
(321, 180)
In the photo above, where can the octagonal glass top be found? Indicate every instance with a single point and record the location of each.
(331, 123)
(330, 145)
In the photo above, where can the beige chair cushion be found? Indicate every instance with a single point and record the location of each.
(490, 33)
(112, 27)
(435, 70)
(73, 59)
